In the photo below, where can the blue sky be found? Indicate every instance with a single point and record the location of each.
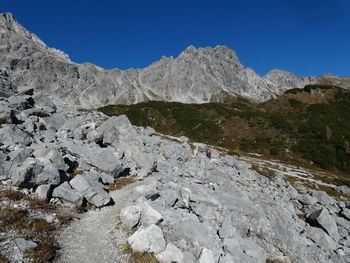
(306, 37)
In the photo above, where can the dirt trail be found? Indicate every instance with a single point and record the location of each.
(94, 238)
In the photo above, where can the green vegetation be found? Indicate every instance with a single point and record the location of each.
(300, 126)
(2, 121)
(310, 88)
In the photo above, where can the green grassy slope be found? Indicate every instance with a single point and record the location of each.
(310, 125)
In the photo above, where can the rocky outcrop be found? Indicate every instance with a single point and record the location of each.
(197, 75)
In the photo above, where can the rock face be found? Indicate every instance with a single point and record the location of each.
(195, 76)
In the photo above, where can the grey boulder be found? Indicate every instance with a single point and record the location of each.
(320, 238)
(43, 191)
(25, 175)
(307, 199)
(49, 175)
(91, 190)
(149, 215)
(346, 213)
(67, 193)
(147, 239)
(47, 154)
(321, 218)
(206, 256)
(171, 255)
(104, 159)
(119, 133)
(130, 216)
(24, 244)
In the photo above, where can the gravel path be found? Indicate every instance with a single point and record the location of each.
(94, 238)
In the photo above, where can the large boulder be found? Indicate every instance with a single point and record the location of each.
(119, 133)
(91, 190)
(50, 154)
(307, 199)
(147, 239)
(343, 189)
(49, 175)
(25, 175)
(67, 193)
(206, 256)
(43, 191)
(11, 135)
(321, 218)
(171, 255)
(8, 161)
(323, 198)
(104, 159)
(320, 238)
(130, 216)
(149, 215)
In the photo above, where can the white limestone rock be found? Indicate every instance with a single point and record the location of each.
(147, 239)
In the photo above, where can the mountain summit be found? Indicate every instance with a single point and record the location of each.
(197, 75)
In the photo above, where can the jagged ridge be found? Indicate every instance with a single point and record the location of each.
(197, 75)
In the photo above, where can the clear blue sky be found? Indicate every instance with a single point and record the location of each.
(307, 37)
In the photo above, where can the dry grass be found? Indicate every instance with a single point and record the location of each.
(44, 252)
(264, 171)
(64, 218)
(121, 182)
(138, 257)
(10, 216)
(243, 184)
(37, 204)
(12, 195)
(36, 225)
(314, 186)
(3, 259)
(275, 260)
(26, 225)
(75, 173)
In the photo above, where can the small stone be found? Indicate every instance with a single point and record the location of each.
(24, 244)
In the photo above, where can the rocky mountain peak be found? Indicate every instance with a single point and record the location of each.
(7, 19)
(197, 75)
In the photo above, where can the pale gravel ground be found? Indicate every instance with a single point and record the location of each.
(95, 238)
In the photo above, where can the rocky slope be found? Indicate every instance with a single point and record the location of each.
(195, 76)
(186, 207)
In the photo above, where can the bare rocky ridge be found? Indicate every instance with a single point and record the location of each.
(197, 75)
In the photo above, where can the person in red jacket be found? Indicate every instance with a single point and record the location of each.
(208, 153)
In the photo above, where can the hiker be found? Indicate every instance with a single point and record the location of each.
(208, 153)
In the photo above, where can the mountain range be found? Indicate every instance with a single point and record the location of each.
(197, 75)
